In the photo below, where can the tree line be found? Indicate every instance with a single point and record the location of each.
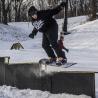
(16, 10)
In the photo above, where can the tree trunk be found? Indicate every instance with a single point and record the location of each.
(71, 9)
(4, 12)
(0, 13)
(9, 11)
(18, 10)
(15, 11)
(81, 7)
(94, 9)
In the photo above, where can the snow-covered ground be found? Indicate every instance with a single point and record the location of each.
(11, 92)
(82, 44)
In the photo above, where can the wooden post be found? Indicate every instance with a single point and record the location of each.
(4, 59)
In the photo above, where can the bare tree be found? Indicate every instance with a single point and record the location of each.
(0, 13)
(53, 3)
(4, 11)
(41, 4)
(93, 9)
(18, 4)
(16, 10)
(73, 7)
(9, 10)
(79, 7)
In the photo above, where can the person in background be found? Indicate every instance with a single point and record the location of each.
(61, 45)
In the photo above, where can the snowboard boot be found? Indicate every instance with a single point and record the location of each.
(61, 61)
(51, 61)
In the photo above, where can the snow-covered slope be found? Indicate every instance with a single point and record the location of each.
(10, 92)
(11, 33)
(82, 44)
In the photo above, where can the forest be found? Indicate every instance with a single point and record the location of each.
(17, 10)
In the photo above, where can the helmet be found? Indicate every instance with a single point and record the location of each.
(32, 10)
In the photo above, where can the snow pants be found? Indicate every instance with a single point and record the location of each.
(50, 45)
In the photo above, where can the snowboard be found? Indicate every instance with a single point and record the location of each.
(66, 65)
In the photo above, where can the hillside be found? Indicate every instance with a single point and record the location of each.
(82, 44)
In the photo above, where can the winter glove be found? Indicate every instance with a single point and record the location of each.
(63, 4)
(67, 50)
(34, 32)
(31, 35)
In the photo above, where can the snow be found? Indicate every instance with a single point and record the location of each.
(12, 92)
(9, 33)
(82, 44)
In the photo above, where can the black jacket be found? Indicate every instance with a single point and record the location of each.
(45, 19)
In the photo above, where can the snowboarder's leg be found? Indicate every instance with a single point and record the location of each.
(46, 46)
(53, 38)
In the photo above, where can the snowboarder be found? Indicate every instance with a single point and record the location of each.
(43, 21)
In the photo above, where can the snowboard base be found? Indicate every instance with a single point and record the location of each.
(66, 65)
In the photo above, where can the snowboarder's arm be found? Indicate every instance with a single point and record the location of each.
(57, 9)
(67, 50)
(34, 32)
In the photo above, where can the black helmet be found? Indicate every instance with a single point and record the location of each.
(32, 10)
